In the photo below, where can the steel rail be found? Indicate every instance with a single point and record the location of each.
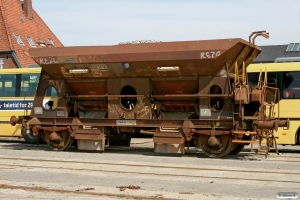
(151, 166)
(7, 166)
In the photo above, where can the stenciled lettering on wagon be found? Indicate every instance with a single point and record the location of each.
(146, 69)
(96, 73)
(47, 60)
(101, 67)
(209, 54)
(97, 69)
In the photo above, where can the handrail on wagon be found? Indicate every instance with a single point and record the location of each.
(257, 33)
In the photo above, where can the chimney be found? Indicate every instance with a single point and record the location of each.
(27, 8)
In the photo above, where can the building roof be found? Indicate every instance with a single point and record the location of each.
(22, 28)
(271, 52)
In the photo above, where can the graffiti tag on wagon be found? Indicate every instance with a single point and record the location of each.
(47, 60)
(209, 54)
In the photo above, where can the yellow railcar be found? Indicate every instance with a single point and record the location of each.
(286, 77)
(17, 91)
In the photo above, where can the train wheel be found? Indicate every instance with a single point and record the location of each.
(237, 148)
(28, 136)
(216, 146)
(58, 141)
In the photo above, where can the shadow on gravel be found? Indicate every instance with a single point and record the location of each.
(21, 140)
(245, 155)
(192, 153)
(297, 151)
(25, 146)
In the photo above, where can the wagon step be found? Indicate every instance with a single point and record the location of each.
(244, 132)
(246, 141)
(263, 149)
(250, 117)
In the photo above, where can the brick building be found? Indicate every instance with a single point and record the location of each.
(22, 28)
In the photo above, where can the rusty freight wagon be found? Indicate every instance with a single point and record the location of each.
(186, 93)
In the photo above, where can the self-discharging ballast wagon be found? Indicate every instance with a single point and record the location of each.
(191, 93)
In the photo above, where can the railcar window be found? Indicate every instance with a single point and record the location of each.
(291, 85)
(29, 83)
(7, 85)
(272, 79)
(253, 78)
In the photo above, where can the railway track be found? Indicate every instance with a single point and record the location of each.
(163, 170)
(282, 157)
(187, 177)
(43, 144)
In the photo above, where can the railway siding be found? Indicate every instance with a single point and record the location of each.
(100, 175)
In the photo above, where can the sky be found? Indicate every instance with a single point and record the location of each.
(109, 22)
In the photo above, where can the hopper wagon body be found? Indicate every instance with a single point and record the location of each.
(191, 93)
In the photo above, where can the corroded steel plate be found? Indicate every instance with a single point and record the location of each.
(163, 59)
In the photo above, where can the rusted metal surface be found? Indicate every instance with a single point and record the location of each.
(256, 96)
(61, 140)
(15, 120)
(213, 141)
(168, 123)
(284, 123)
(168, 138)
(216, 147)
(193, 58)
(89, 134)
(191, 92)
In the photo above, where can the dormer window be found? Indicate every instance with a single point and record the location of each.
(31, 42)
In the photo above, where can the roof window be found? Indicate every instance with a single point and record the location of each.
(41, 43)
(19, 39)
(30, 41)
(51, 41)
(293, 47)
